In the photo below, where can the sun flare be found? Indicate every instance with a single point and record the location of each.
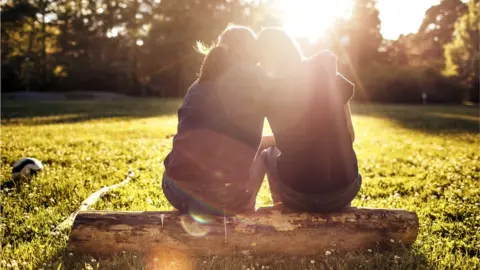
(310, 18)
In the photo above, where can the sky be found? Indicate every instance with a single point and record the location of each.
(402, 16)
(310, 18)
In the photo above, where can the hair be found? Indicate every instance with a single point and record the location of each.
(236, 44)
(278, 49)
(216, 60)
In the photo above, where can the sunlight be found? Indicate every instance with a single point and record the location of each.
(310, 18)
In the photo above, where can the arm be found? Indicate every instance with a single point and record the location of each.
(346, 88)
(348, 118)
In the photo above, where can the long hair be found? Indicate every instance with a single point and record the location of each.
(236, 44)
(278, 50)
(216, 60)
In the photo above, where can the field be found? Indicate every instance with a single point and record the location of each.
(420, 158)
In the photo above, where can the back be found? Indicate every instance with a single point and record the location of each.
(219, 130)
(308, 120)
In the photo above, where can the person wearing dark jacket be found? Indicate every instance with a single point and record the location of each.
(219, 130)
(311, 164)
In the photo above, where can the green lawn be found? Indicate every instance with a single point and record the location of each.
(420, 158)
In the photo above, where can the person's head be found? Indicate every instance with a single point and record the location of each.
(277, 50)
(241, 41)
(236, 45)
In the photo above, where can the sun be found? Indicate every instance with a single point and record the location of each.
(310, 18)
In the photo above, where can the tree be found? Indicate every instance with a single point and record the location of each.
(113, 45)
(28, 41)
(437, 28)
(17, 43)
(363, 38)
(462, 54)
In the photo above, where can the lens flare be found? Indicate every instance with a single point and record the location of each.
(310, 18)
(194, 227)
(202, 218)
(160, 258)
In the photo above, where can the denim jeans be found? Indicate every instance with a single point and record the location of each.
(224, 200)
(266, 162)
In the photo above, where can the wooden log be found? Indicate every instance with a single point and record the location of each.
(266, 231)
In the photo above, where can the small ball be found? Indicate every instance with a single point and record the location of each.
(26, 168)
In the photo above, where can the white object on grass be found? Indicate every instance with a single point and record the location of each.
(26, 168)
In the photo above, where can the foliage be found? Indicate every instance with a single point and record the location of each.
(406, 84)
(364, 33)
(133, 47)
(420, 158)
(425, 48)
(142, 47)
(355, 40)
(145, 48)
(437, 27)
(462, 55)
(28, 41)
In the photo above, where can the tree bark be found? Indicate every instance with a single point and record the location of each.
(265, 231)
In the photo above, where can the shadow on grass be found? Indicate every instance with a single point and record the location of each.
(427, 118)
(56, 112)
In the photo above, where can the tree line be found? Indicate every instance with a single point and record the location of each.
(145, 47)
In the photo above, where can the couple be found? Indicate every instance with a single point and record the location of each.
(219, 157)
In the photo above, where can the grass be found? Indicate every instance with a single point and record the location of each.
(420, 158)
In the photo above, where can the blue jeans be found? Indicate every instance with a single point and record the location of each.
(218, 200)
(241, 197)
(266, 162)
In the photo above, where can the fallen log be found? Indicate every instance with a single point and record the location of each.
(266, 231)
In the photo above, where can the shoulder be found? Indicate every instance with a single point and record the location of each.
(323, 56)
(197, 91)
(197, 87)
(323, 61)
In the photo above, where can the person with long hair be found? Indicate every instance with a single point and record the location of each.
(219, 131)
(312, 166)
